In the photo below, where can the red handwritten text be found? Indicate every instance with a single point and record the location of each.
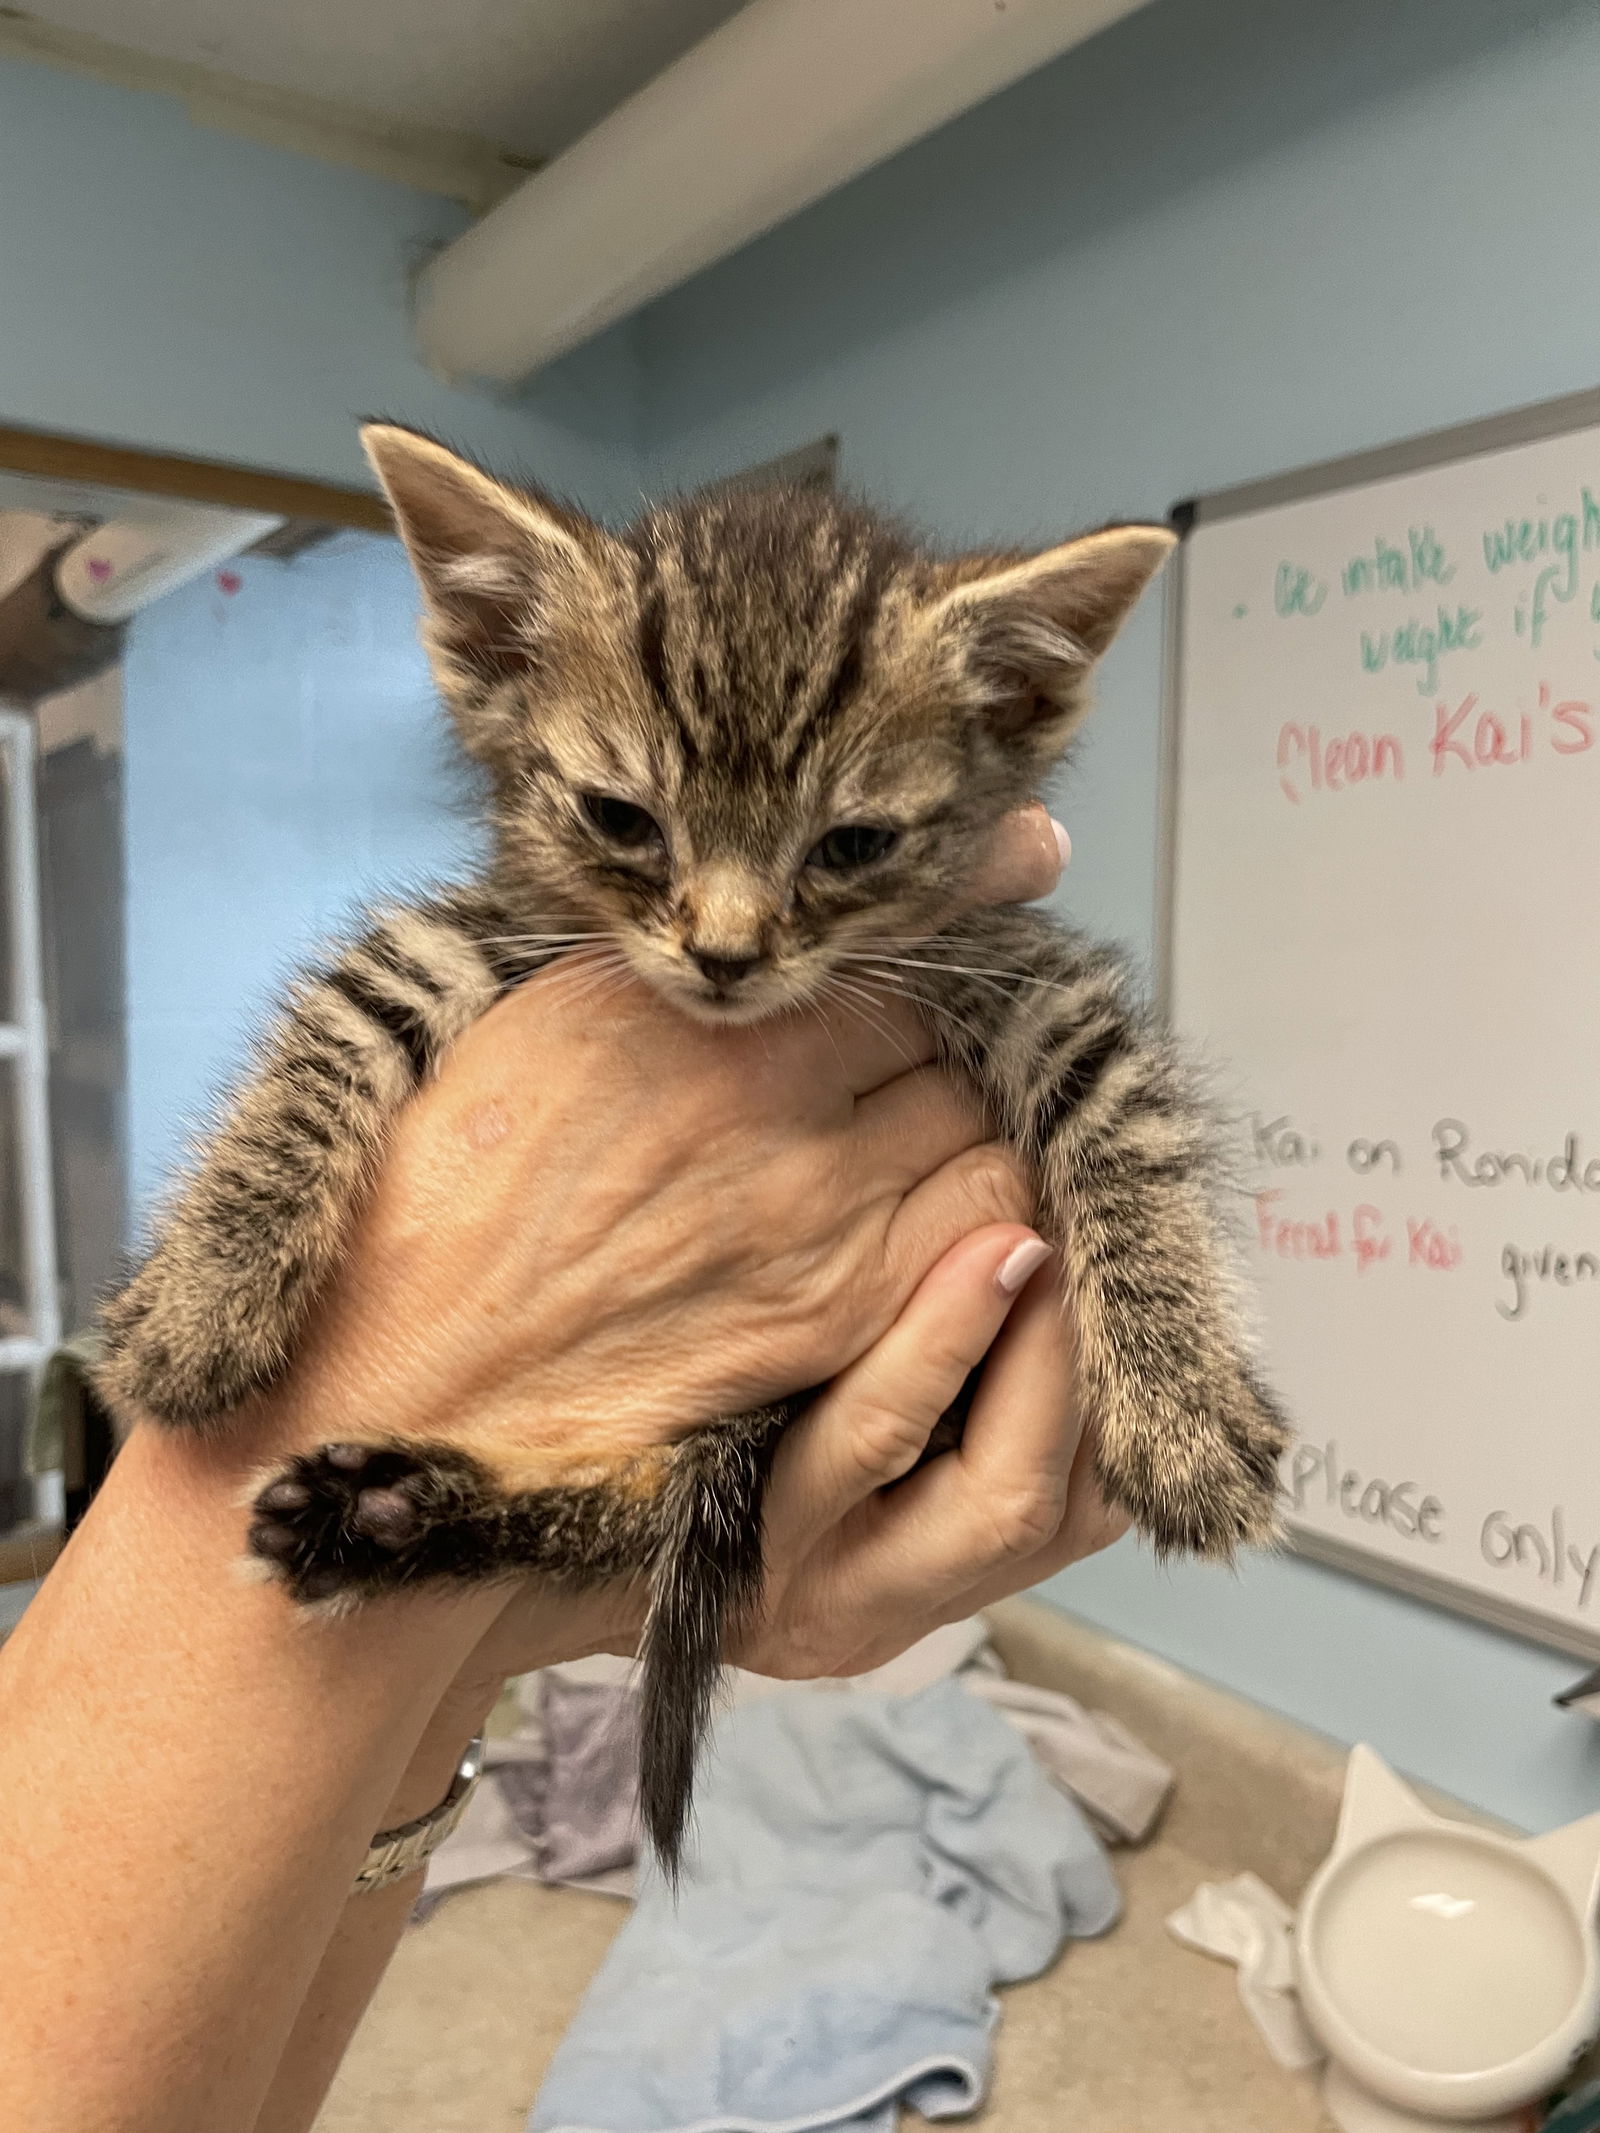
(1431, 1246)
(1365, 1237)
(1469, 738)
(1331, 764)
(1478, 745)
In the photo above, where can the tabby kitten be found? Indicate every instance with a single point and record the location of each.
(758, 740)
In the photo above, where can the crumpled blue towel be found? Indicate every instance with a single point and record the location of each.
(865, 1869)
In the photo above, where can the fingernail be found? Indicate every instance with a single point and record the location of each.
(1020, 1265)
(1063, 841)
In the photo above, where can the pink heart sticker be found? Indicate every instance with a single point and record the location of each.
(229, 581)
(99, 569)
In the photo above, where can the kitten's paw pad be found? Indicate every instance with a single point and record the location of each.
(1200, 1481)
(389, 1517)
(355, 1517)
(385, 1508)
(283, 1496)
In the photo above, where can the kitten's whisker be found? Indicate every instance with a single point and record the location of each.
(938, 1009)
(1005, 979)
(897, 940)
(853, 1003)
(884, 968)
(858, 1000)
(598, 992)
(540, 940)
(580, 980)
(609, 962)
(577, 964)
(912, 962)
(827, 1030)
(565, 966)
(617, 972)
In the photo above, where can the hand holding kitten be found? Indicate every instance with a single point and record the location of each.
(748, 754)
(602, 1221)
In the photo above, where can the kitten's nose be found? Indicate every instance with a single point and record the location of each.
(724, 970)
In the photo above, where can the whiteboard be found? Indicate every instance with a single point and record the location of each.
(1383, 932)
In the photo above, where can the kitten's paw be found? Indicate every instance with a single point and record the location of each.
(354, 1518)
(1199, 1478)
(186, 1355)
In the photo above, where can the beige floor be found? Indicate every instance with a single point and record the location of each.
(1122, 2035)
(1125, 2033)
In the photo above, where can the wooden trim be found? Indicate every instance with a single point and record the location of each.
(199, 481)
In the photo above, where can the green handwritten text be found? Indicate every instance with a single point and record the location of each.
(1297, 591)
(1391, 568)
(1422, 644)
(1525, 540)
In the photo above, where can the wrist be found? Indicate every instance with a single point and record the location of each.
(172, 1518)
(455, 1724)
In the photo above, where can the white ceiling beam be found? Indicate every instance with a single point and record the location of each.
(784, 103)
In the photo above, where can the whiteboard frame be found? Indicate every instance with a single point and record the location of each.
(1411, 455)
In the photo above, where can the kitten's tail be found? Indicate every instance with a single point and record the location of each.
(705, 1575)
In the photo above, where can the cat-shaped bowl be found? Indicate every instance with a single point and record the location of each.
(1451, 1973)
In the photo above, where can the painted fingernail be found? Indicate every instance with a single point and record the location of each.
(1063, 841)
(1020, 1265)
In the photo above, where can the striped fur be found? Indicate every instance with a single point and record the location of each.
(757, 741)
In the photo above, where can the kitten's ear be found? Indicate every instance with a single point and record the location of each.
(494, 564)
(1029, 632)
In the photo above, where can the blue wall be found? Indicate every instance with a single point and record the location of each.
(284, 760)
(170, 286)
(1225, 238)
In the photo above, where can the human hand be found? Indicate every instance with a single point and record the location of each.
(539, 1625)
(863, 1555)
(1027, 856)
(604, 1223)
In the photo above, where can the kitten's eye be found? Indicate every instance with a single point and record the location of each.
(621, 821)
(852, 844)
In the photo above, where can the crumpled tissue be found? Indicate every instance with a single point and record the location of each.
(1244, 1922)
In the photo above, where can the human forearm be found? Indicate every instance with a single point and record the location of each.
(352, 1966)
(855, 1575)
(590, 1257)
(369, 1926)
(164, 1903)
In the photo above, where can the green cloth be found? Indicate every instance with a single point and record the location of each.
(57, 1432)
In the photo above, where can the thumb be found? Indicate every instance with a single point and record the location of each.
(871, 1424)
(1026, 858)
